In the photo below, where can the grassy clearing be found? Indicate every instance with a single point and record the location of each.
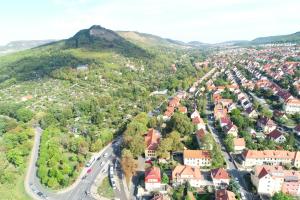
(105, 189)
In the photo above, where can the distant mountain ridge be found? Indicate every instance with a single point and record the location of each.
(292, 38)
(20, 45)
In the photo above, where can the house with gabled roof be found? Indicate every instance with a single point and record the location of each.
(266, 124)
(239, 144)
(220, 177)
(277, 136)
(152, 140)
(224, 195)
(153, 179)
(199, 123)
(251, 112)
(184, 173)
(231, 129)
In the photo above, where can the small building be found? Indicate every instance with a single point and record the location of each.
(239, 144)
(199, 123)
(184, 173)
(195, 114)
(231, 129)
(277, 136)
(224, 195)
(251, 113)
(152, 140)
(266, 124)
(152, 179)
(225, 121)
(220, 177)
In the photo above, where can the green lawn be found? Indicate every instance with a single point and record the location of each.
(105, 189)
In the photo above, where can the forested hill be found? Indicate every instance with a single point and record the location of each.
(291, 38)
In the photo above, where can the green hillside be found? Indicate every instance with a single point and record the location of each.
(83, 91)
(292, 38)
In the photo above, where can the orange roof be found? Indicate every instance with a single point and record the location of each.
(282, 154)
(201, 154)
(239, 142)
(152, 139)
(197, 120)
(225, 195)
(182, 171)
(219, 173)
(182, 109)
(293, 102)
(168, 113)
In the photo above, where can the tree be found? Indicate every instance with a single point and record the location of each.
(181, 123)
(281, 196)
(165, 178)
(24, 114)
(14, 156)
(234, 187)
(266, 112)
(164, 148)
(128, 163)
(229, 143)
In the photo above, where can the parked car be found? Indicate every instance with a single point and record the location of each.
(90, 163)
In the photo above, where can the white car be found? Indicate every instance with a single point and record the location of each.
(105, 155)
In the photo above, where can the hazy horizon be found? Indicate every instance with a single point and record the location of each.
(209, 22)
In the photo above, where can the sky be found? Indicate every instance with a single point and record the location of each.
(208, 21)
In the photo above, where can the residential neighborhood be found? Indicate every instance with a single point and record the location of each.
(248, 115)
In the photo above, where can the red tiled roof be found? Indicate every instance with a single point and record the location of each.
(219, 173)
(152, 139)
(225, 195)
(153, 174)
(275, 134)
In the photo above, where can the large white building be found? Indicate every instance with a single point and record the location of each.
(271, 179)
(270, 157)
(197, 158)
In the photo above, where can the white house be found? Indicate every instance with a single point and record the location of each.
(277, 136)
(152, 179)
(197, 158)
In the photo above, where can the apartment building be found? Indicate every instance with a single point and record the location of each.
(197, 158)
(271, 179)
(270, 157)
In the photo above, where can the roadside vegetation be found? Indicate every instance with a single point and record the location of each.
(15, 146)
(105, 189)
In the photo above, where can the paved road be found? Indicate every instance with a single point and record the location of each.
(235, 173)
(78, 191)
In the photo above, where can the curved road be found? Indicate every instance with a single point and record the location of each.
(80, 189)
